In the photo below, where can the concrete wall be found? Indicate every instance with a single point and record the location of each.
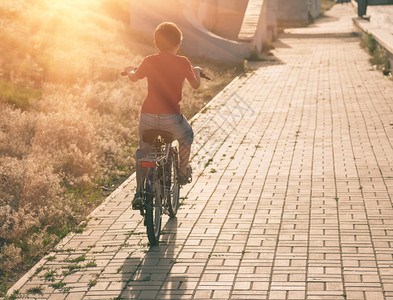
(145, 15)
(210, 27)
(314, 7)
(297, 12)
(223, 17)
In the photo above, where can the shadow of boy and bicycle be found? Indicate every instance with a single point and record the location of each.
(153, 278)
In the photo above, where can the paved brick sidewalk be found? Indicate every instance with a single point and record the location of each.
(292, 197)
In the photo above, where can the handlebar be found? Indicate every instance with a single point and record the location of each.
(203, 75)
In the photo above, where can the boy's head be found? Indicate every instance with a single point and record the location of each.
(167, 36)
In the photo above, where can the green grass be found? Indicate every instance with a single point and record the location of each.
(18, 96)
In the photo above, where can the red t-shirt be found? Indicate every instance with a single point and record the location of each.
(165, 74)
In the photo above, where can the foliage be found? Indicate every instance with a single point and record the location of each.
(379, 56)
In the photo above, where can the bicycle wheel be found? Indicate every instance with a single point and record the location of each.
(174, 191)
(153, 207)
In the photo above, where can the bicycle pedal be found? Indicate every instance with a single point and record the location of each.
(137, 207)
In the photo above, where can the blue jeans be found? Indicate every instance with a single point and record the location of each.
(181, 131)
(176, 124)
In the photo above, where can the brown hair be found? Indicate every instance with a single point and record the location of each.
(167, 36)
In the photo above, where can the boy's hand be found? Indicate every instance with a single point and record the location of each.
(197, 70)
(197, 81)
(129, 69)
(130, 72)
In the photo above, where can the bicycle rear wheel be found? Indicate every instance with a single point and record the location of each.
(174, 192)
(153, 206)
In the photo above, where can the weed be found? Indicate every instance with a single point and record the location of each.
(14, 295)
(50, 275)
(92, 282)
(379, 56)
(81, 227)
(213, 171)
(38, 270)
(59, 285)
(51, 258)
(91, 264)
(72, 269)
(78, 259)
(132, 232)
(210, 160)
(35, 290)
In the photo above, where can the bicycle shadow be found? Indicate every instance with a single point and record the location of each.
(152, 278)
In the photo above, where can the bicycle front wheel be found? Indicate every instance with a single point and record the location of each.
(174, 193)
(153, 212)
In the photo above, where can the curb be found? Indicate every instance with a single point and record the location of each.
(384, 39)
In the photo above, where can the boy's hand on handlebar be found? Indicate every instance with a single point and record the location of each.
(127, 70)
(197, 70)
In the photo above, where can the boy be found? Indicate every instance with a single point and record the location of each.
(165, 72)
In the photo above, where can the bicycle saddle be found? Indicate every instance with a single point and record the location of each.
(150, 135)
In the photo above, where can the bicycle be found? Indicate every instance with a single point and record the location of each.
(161, 188)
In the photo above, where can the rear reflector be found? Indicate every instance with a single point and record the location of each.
(148, 164)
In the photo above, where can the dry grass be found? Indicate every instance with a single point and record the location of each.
(68, 121)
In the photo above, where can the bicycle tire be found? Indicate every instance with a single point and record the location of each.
(174, 192)
(153, 207)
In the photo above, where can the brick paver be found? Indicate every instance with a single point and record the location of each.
(291, 199)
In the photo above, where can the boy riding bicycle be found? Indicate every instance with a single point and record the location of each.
(165, 73)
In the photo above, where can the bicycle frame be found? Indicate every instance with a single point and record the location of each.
(161, 189)
(156, 162)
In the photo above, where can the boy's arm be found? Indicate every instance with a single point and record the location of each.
(195, 83)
